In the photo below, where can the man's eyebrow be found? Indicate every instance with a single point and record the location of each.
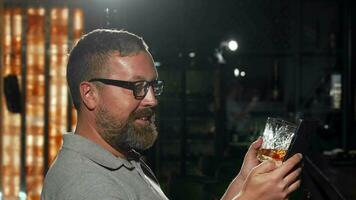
(138, 77)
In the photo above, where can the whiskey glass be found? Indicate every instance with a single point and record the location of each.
(277, 137)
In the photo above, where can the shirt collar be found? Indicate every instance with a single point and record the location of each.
(94, 152)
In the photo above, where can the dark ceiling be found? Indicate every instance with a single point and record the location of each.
(171, 27)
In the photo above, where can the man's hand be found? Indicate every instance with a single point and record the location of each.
(269, 182)
(250, 160)
(267, 174)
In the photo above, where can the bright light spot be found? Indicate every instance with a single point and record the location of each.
(243, 73)
(22, 195)
(233, 45)
(31, 11)
(158, 64)
(326, 126)
(192, 54)
(54, 14)
(78, 20)
(41, 11)
(236, 72)
(65, 13)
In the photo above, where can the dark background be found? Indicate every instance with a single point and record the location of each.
(289, 50)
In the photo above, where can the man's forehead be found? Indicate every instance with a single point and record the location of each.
(138, 66)
(142, 56)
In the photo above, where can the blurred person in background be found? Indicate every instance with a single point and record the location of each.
(239, 104)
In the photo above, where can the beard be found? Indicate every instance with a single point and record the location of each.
(124, 135)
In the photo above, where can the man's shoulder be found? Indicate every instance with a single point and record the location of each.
(69, 163)
(65, 169)
(75, 176)
(87, 185)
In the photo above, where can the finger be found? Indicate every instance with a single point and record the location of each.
(292, 177)
(265, 167)
(294, 186)
(289, 164)
(254, 147)
(257, 143)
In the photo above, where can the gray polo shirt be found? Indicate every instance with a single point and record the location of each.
(84, 170)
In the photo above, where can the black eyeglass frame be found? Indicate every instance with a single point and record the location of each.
(132, 85)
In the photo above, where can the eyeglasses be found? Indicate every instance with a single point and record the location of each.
(139, 88)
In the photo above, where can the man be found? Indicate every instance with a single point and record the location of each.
(114, 84)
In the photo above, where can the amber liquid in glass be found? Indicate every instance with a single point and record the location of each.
(268, 154)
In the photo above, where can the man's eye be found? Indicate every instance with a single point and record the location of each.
(140, 85)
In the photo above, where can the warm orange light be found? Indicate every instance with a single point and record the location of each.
(11, 129)
(58, 97)
(35, 102)
(35, 93)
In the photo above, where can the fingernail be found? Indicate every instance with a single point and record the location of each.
(300, 155)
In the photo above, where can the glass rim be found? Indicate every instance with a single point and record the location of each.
(279, 120)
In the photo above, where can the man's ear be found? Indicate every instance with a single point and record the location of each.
(89, 95)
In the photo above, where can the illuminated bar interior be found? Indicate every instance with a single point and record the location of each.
(42, 61)
(227, 66)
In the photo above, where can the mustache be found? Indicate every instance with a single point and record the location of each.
(144, 112)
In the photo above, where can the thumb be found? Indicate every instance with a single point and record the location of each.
(254, 147)
(257, 144)
(265, 167)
